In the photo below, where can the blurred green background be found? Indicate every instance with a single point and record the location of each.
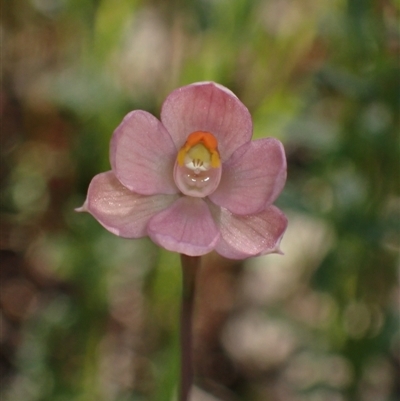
(87, 316)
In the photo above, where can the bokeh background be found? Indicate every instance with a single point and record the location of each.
(87, 316)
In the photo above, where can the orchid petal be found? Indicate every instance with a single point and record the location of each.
(186, 227)
(252, 178)
(209, 107)
(251, 235)
(142, 155)
(120, 211)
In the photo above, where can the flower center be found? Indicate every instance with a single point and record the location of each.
(197, 169)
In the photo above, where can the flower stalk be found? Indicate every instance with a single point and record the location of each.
(190, 266)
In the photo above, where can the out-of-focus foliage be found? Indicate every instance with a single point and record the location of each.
(88, 316)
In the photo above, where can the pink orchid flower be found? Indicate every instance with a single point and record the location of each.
(194, 182)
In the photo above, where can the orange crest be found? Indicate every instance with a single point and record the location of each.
(208, 142)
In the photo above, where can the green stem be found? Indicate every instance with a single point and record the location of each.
(190, 265)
